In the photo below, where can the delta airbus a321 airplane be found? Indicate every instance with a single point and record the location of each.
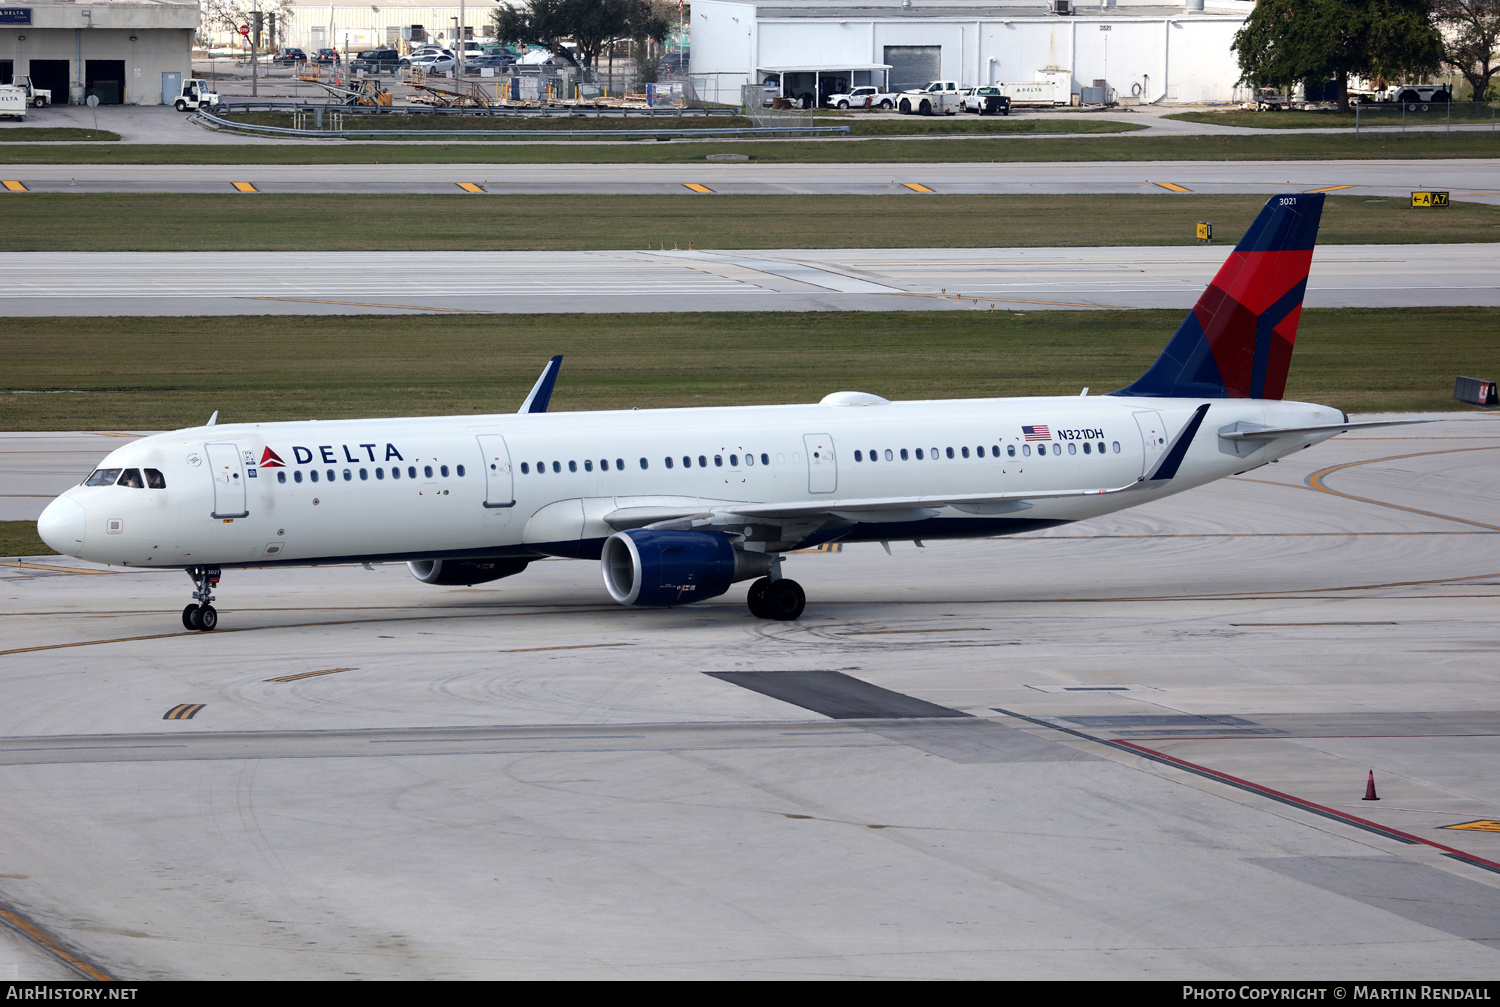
(678, 504)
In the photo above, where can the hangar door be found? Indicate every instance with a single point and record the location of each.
(7, 71)
(913, 65)
(106, 78)
(51, 75)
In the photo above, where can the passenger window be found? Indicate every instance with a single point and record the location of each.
(395, 472)
(994, 451)
(749, 461)
(718, 461)
(903, 454)
(965, 451)
(1057, 449)
(459, 471)
(572, 466)
(687, 462)
(132, 478)
(919, 454)
(1026, 450)
(1010, 449)
(859, 455)
(1117, 447)
(1072, 447)
(557, 466)
(1101, 447)
(332, 477)
(525, 469)
(765, 459)
(888, 455)
(668, 461)
(348, 476)
(364, 475)
(444, 471)
(314, 475)
(427, 471)
(619, 465)
(156, 481)
(297, 476)
(1088, 448)
(874, 455)
(734, 461)
(102, 477)
(588, 465)
(603, 464)
(933, 454)
(950, 452)
(411, 471)
(380, 473)
(643, 463)
(702, 462)
(281, 477)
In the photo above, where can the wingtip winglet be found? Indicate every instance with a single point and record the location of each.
(541, 392)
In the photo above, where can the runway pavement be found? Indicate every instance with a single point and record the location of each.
(1132, 747)
(1466, 178)
(235, 283)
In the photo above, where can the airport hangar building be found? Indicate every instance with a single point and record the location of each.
(128, 52)
(1148, 52)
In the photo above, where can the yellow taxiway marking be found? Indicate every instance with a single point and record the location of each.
(470, 187)
(916, 186)
(52, 945)
(182, 711)
(13, 186)
(571, 646)
(366, 304)
(1331, 188)
(1172, 186)
(696, 187)
(245, 187)
(308, 674)
(1315, 481)
(1483, 825)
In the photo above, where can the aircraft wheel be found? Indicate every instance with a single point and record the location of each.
(190, 617)
(756, 599)
(208, 618)
(785, 600)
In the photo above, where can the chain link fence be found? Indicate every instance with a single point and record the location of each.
(1426, 115)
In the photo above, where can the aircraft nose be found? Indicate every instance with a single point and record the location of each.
(61, 526)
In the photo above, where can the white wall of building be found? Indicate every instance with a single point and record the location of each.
(1178, 58)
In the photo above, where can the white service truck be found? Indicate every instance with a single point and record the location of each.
(934, 98)
(863, 97)
(195, 94)
(36, 95)
(12, 102)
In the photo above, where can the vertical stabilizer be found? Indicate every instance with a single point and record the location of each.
(1237, 341)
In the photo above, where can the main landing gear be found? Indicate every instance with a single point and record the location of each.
(775, 597)
(202, 615)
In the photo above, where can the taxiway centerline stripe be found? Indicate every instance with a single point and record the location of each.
(51, 945)
(696, 187)
(1172, 186)
(13, 186)
(916, 187)
(363, 304)
(1256, 788)
(1331, 188)
(470, 187)
(1315, 481)
(244, 187)
(308, 674)
(573, 646)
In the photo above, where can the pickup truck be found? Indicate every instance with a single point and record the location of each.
(930, 99)
(985, 100)
(863, 97)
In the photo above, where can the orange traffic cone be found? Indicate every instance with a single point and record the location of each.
(1370, 788)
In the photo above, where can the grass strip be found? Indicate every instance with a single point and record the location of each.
(935, 149)
(162, 373)
(556, 126)
(60, 221)
(53, 134)
(1382, 116)
(19, 538)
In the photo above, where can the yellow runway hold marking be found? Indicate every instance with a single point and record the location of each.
(308, 674)
(52, 945)
(13, 186)
(1172, 186)
(245, 187)
(183, 711)
(696, 187)
(1331, 188)
(470, 187)
(916, 186)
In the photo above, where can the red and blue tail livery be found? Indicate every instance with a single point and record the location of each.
(1237, 341)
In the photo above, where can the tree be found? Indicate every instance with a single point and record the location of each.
(591, 24)
(228, 15)
(1471, 36)
(1287, 42)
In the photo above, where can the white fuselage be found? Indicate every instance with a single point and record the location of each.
(543, 484)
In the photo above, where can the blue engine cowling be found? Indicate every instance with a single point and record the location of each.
(660, 568)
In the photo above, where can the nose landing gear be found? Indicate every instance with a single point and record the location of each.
(202, 615)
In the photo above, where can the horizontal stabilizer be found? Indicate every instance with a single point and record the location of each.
(1249, 433)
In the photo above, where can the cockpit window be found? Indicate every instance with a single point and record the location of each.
(132, 478)
(102, 477)
(155, 480)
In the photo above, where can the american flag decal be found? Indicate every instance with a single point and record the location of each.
(1037, 433)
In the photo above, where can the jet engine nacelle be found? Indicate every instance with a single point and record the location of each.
(656, 568)
(463, 572)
